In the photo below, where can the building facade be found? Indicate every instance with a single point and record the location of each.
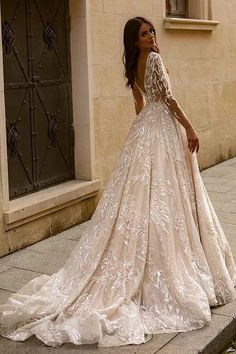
(65, 110)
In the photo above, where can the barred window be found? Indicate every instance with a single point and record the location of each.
(176, 8)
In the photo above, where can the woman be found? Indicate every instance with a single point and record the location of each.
(154, 257)
(136, 54)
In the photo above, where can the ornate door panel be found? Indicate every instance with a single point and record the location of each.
(37, 80)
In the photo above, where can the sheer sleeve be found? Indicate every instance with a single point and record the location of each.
(161, 89)
(160, 80)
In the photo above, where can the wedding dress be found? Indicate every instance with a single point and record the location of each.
(153, 258)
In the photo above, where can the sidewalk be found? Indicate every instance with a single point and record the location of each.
(49, 255)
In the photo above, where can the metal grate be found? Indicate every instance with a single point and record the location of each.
(37, 81)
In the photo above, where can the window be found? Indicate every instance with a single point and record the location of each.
(189, 15)
(176, 8)
(198, 9)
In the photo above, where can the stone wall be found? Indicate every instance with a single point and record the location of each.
(202, 69)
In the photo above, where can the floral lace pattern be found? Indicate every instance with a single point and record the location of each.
(153, 258)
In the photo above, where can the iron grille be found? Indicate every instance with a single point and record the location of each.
(38, 99)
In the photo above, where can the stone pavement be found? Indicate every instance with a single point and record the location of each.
(49, 255)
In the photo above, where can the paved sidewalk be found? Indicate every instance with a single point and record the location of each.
(49, 255)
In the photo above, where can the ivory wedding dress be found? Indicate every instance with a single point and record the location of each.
(153, 258)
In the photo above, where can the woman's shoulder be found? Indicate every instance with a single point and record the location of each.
(153, 52)
(154, 57)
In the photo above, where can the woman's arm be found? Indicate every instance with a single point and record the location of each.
(139, 101)
(165, 93)
(193, 141)
(178, 112)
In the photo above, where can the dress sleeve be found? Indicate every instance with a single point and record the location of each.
(160, 79)
(162, 89)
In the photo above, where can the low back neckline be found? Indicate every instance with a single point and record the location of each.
(140, 88)
(144, 79)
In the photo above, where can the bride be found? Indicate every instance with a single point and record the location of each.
(154, 257)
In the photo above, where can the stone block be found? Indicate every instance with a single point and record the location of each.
(96, 6)
(65, 218)
(4, 267)
(198, 109)
(220, 188)
(112, 81)
(14, 279)
(4, 295)
(115, 6)
(205, 340)
(97, 86)
(110, 133)
(196, 71)
(230, 230)
(230, 207)
(75, 232)
(87, 207)
(55, 243)
(219, 171)
(233, 191)
(207, 154)
(29, 233)
(232, 182)
(41, 262)
(174, 349)
(9, 346)
(232, 34)
(106, 38)
(221, 197)
(216, 180)
(228, 218)
(226, 310)
(4, 244)
(129, 8)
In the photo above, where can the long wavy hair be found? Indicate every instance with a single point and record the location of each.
(131, 51)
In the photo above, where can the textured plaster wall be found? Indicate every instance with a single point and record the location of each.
(202, 68)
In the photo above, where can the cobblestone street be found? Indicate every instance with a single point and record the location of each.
(48, 256)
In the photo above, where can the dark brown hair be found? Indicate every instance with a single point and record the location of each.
(131, 51)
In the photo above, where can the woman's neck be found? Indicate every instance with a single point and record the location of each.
(144, 53)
